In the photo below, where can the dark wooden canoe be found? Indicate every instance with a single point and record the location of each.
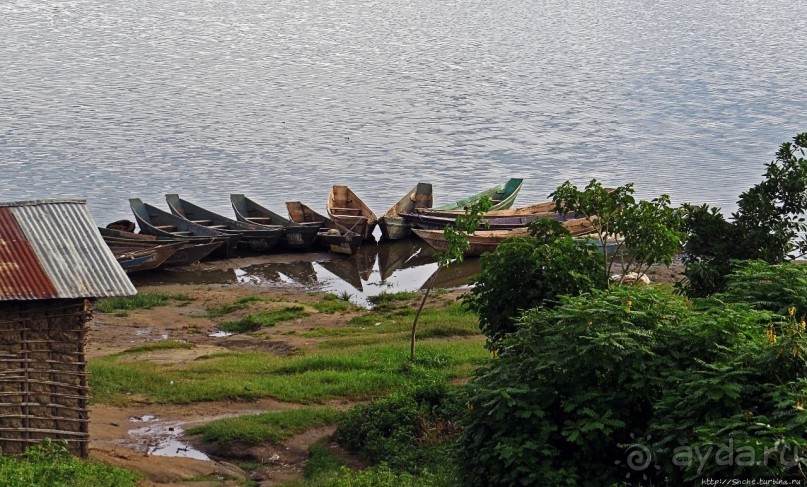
(190, 252)
(331, 236)
(155, 221)
(483, 241)
(259, 238)
(141, 259)
(297, 236)
(393, 226)
(503, 196)
(348, 210)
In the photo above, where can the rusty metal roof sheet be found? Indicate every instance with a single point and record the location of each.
(51, 249)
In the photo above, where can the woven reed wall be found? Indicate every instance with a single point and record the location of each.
(43, 376)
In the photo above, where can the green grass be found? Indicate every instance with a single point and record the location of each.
(50, 465)
(271, 427)
(321, 461)
(381, 476)
(161, 345)
(356, 361)
(357, 371)
(228, 308)
(264, 319)
(139, 301)
(331, 304)
(385, 299)
(449, 321)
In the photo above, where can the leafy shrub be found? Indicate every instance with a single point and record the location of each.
(407, 431)
(524, 273)
(775, 288)
(50, 465)
(636, 365)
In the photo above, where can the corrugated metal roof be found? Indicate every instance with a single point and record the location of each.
(52, 249)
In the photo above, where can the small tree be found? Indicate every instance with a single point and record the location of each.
(457, 243)
(650, 231)
(768, 224)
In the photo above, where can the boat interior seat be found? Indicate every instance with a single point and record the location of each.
(203, 222)
(182, 233)
(167, 228)
(260, 219)
(216, 226)
(347, 211)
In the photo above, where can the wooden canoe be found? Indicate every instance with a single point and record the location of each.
(133, 259)
(258, 238)
(487, 240)
(545, 208)
(502, 195)
(393, 226)
(331, 236)
(155, 221)
(348, 210)
(428, 221)
(190, 252)
(297, 236)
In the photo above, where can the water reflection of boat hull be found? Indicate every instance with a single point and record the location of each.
(456, 275)
(403, 254)
(356, 268)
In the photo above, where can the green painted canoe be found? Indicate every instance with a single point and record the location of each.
(503, 196)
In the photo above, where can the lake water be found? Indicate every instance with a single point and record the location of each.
(108, 100)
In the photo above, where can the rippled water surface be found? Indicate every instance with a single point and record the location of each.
(110, 100)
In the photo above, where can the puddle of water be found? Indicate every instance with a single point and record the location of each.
(147, 418)
(163, 440)
(405, 265)
(220, 334)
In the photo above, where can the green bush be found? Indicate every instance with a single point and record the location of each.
(50, 465)
(775, 288)
(577, 384)
(408, 430)
(524, 273)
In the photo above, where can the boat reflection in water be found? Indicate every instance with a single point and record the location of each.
(389, 266)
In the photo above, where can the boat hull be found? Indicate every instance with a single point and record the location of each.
(487, 240)
(296, 237)
(394, 228)
(331, 235)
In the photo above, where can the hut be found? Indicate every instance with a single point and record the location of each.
(53, 265)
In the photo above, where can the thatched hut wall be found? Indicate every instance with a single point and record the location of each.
(43, 376)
